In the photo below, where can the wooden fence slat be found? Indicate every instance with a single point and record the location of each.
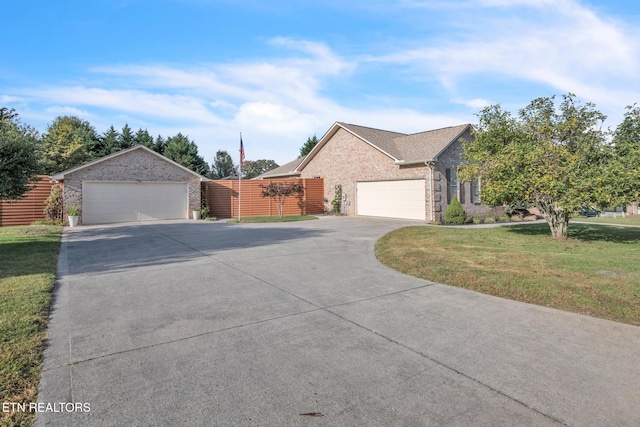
(28, 209)
(253, 204)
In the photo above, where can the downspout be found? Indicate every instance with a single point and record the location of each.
(432, 196)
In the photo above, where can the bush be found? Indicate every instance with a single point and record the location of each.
(476, 219)
(455, 213)
(489, 219)
(504, 217)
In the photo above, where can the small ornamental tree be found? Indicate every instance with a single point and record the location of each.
(455, 213)
(279, 191)
(554, 157)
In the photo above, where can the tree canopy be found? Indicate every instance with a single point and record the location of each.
(222, 166)
(182, 150)
(252, 168)
(625, 165)
(66, 144)
(553, 157)
(308, 146)
(18, 159)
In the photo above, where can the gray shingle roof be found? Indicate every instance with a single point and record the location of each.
(409, 147)
(400, 147)
(288, 169)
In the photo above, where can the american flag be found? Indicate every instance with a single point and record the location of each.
(241, 152)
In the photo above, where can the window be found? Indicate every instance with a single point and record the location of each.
(475, 191)
(452, 184)
(462, 194)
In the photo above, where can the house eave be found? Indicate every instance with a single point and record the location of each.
(425, 162)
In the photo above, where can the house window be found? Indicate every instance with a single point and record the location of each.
(462, 193)
(475, 191)
(452, 184)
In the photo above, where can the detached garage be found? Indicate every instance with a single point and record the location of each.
(136, 184)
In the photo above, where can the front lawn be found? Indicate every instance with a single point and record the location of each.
(28, 258)
(595, 271)
(626, 220)
(286, 218)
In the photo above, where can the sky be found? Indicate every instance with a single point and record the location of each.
(281, 71)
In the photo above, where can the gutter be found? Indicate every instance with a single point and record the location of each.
(425, 162)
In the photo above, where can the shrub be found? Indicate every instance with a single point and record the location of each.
(476, 219)
(455, 213)
(489, 219)
(504, 218)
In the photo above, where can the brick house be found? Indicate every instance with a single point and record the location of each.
(389, 174)
(135, 184)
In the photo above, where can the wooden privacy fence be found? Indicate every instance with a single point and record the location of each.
(28, 209)
(222, 198)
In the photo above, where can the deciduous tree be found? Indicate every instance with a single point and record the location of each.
(552, 157)
(222, 166)
(66, 144)
(18, 160)
(280, 191)
(624, 172)
(251, 168)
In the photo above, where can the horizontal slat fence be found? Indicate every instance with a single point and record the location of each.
(28, 209)
(222, 198)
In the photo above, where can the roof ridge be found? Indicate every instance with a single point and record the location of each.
(371, 128)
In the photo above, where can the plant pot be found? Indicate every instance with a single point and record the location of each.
(73, 220)
(196, 215)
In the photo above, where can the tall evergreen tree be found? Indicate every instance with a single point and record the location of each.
(308, 146)
(142, 137)
(185, 152)
(110, 141)
(159, 145)
(126, 138)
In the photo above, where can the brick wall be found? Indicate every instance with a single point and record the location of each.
(136, 165)
(346, 159)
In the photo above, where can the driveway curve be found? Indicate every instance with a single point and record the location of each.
(198, 323)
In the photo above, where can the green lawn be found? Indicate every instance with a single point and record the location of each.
(286, 218)
(28, 258)
(627, 220)
(595, 271)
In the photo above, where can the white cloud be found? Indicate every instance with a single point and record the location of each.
(558, 43)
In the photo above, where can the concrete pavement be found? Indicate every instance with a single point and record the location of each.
(197, 323)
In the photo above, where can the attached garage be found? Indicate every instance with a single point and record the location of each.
(136, 184)
(394, 199)
(108, 202)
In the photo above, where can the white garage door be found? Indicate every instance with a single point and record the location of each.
(393, 199)
(107, 202)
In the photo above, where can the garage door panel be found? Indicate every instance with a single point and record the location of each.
(393, 199)
(109, 202)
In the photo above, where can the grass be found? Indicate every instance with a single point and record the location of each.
(28, 258)
(286, 218)
(627, 220)
(595, 271)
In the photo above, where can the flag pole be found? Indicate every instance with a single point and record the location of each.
(240, 177)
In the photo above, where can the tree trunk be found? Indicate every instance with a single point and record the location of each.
(558, 223)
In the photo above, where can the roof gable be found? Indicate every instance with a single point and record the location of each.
(401, 148)
(61, 175)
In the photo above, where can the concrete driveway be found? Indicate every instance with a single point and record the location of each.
(196, 323)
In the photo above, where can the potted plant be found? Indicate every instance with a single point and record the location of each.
(73, 213)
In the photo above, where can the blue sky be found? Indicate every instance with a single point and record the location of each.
(281, 71)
